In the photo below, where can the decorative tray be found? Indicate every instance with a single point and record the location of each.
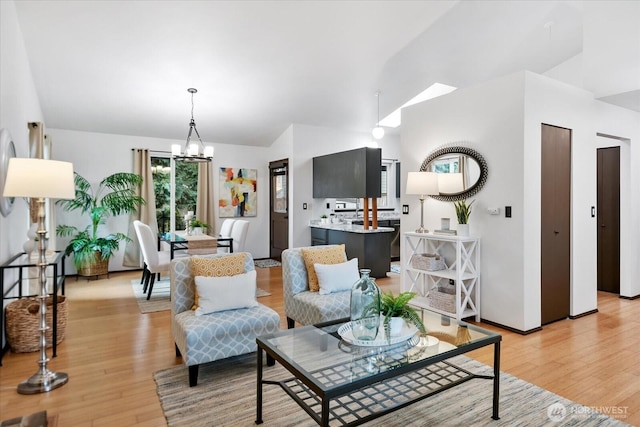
(406, 334)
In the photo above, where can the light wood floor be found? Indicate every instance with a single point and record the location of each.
(111, 350)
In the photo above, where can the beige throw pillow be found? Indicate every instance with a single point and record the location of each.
(230, 265)
(311, 256)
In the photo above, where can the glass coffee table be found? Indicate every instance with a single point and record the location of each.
(339, 383)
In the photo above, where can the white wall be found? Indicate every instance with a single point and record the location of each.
(489, 118)
(502, 120)
(623, 123)
(19, 105)
(97, 155)
(309, 142)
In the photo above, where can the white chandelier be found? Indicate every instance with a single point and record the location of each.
(193, 151)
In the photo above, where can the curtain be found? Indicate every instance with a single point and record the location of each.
(40, 148)
(204, 201)
(146, 213)
(464, 169)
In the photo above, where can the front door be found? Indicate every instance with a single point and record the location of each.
(279, 208)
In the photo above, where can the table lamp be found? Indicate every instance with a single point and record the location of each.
(423, 184)
(41, 179)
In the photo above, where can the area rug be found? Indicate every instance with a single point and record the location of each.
(395, 268)
(159, 300)
(267, 263)
(226, 396)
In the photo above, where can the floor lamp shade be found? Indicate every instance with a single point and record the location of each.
(41, 179)
(423, 184)
(50, 179)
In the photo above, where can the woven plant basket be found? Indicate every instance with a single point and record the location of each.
(97, 267)
(23, 323)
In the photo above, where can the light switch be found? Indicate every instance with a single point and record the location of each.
(405, 209)
(493, 211)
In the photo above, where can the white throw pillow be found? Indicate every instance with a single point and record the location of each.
(226, 292)
(337, 277)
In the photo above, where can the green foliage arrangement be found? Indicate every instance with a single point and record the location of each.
(463, 210)
(115, 195)
(398, 306)
(197, 223)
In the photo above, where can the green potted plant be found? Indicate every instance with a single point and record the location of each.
(196, 224)
(114, 195)
(397, 307)
(463, 211)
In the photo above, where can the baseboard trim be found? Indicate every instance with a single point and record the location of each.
(586, 313)
(510, 329)
(630, 298)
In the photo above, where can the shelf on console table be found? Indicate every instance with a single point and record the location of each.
(462, 257)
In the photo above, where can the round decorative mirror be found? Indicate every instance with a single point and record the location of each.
(462, 172)
(7, 150)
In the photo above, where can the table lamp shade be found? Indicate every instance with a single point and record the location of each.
(39, 178)
(422, 183)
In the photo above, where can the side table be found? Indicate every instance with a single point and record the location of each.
(27, 285)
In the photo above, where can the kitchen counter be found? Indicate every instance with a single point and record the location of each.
(351, 228)
(371, 247)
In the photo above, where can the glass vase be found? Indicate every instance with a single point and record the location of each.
(365, 307)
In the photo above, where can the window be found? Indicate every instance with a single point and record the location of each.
(186, 191)
(384, 186)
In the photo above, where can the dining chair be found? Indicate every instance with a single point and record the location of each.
(225, 228)
(225, 231)
(156, 261)
(239, 234)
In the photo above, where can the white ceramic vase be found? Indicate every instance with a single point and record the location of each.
(395, 326)
(463, 230)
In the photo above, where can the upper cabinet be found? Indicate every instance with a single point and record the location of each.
(353, 173)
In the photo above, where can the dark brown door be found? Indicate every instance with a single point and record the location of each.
(279, 208)
(556, 223)
(609, 219)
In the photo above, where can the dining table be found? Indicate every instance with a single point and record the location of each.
(195, 243)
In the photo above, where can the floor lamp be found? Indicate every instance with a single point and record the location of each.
(423, 184)
(41, 179)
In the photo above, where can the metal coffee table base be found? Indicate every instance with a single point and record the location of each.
(372, 401)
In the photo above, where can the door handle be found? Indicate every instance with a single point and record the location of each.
(556, 232)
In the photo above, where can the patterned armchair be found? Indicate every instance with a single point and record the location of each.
(218, 335)
(300, 304)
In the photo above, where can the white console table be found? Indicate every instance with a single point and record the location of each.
(462, 257)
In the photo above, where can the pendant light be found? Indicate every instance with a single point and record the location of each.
(378, 131)
(193, 152)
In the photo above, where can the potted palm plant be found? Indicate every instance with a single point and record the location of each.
(395, 310)
(114, 195)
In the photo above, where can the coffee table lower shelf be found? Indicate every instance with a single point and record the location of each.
(373, 401)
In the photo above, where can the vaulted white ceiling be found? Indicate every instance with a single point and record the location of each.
(124, 67)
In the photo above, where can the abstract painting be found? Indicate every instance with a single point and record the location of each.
(238, 196)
